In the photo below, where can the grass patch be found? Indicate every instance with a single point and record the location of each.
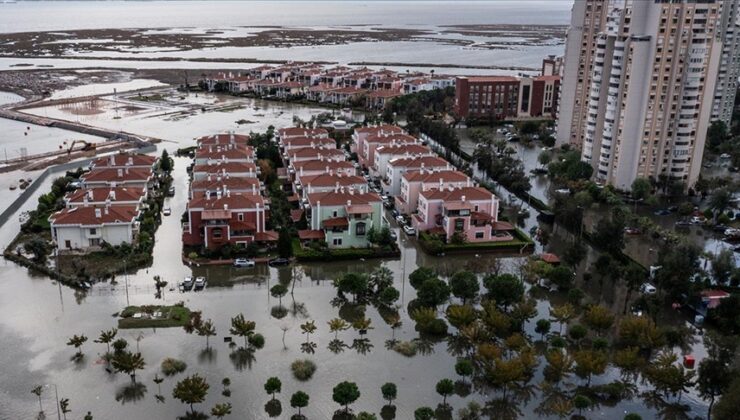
(433, 245)
(168, 316)
(172, 366)
(303, 369)
(310, 254)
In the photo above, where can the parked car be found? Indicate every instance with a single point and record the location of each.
(394, 235)
(563, 191)
(632, 231)
(409, 230)
(187, 284)
(683, 222)
(200, 283)
(167, 211)
(400, 219)
(171, 191)
(698, 220)
(648, 289)
(732, 232)
(244, 262)
(277, 262)
(394, 213)
(662, 212)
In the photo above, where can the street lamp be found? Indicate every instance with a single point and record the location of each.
(56, 396)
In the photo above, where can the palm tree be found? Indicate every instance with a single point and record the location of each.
(191, 390)
(207, 329)
(128, 362)
(308, 328)
(77, 341)
(336, 325)
(362, 325)
(157, 380)
(242, 327)
(37, 391)
(221, 410)
(107, 337)
(160, 285)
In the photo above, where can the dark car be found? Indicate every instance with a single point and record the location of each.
(277, 262)
(662, 212)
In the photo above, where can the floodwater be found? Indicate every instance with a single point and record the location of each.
(40, 315)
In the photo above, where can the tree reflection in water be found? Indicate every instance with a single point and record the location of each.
(131, 393)
(207, 355)
(278, 312)
(337, 346)
(308, 348)
(195, 415)
(242, 358)
(362, 345)
(273, 408)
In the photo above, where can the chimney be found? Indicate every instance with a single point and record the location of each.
(218, 194)
(98, 213)
(208, 195)
(120, 173)
(226, 206)
(127, 170)
(463, 198)
(84, 200)
(112, 160)
(130, 161)
(349, 203)
(254, 189)
(112, 195)
(107, 206)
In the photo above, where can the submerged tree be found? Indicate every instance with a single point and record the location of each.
(128, 363)
(77, 341)
(107, 337)
(345, 393)
(191, 390)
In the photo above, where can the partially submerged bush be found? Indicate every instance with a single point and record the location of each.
(172, 366)
(406, 348)
(303, 369)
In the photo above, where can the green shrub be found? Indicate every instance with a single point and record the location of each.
(172, 366)
(303, 369)
(406, 348)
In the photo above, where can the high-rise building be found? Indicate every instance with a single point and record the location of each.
(651, 90)
(588, 19)
(729, 68)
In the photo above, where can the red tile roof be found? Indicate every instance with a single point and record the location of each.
(314, 165)
(89, 216)
(384, 93)
(335, 222)
(210, 152)
(102, 194)
(402, 149)
(229, 167)
(339, 198)
(436, 176)
(420, 162)
(234, 201)
(491, 79)
(386, 138)
(124, 159)
(309, 152)
(470, 194)
(387, 128)
(223, 138)
(550, 258)
(308, 142)
(330, 180)
(303, 132)
(231, 183)
(266, 236)
(117, 175)
(307, 234)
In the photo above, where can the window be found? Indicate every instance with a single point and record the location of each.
(459, 225)
(479, 235)
(337, 241)
(217, 233)
(334, 213)
(240, 217)
(360, 229)
(93, 231)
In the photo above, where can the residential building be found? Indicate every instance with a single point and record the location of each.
(362, 133)
(288, 133)
(729, 68)
(552, 66)
(652, 90)
(378, 99)
(366, 155)
(327, 182)
(588, 19)
(223, 139)
(317, 167)
(470, 212)
(125, 160)
(88, 227)
(102, 196)
(224, 169)
(391, 182)
(235, 185)
(226, 153)
(414, 183)
(118, 177)
(312, 142)
(345, 216)
(493, 97)
(308, 153)
(214, 220)
(384, 154)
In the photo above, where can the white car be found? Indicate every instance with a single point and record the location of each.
(400, 219)
(244, 262)
(648, 289)
(200, 283)
(167, 211)
(563, 191)
(409, 230)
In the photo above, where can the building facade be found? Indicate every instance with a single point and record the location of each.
(651, 91)
(729, 69)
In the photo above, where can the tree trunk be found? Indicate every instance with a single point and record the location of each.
(709, 411)
(41, 409)
(133, 377)
(191, 408)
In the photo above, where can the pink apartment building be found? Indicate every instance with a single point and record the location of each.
(385, 154)
(361, 134)
(470, 211)
(413, 183)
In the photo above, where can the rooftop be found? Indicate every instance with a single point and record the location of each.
(89, 216)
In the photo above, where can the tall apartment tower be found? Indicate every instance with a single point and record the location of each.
(588, 19)
(652, 90)
(729, 69)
